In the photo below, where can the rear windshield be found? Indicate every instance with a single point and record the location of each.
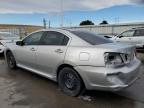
(91, 38)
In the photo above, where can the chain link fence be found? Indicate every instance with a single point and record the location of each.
(18, 32)
(111, 29)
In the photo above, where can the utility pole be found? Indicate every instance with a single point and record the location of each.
(44, 23)
(49, 24)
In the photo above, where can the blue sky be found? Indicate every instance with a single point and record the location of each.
(113, 13)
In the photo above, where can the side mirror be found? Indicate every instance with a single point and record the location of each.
(107, 37)
(19, 43)
(120, 36)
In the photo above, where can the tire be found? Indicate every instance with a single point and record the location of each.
(70, 82)
(11, 60)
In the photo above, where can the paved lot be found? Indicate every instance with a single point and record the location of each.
(22, 89)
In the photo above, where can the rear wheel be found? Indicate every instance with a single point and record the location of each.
(70, 82)
(11, 60)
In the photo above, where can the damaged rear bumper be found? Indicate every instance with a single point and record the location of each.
(110, 79)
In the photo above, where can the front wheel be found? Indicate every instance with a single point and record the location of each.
(70, 82)
(11, 60)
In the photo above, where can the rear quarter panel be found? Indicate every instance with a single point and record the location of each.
(84, 56)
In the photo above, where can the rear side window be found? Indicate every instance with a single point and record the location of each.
(139, 32)
(91, 38)
(54, 38)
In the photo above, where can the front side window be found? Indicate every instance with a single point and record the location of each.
(54, 38)
(128, 34)
(139, 32)
(33, 39)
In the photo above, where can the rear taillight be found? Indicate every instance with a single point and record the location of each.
(113, 59)
(117, 59)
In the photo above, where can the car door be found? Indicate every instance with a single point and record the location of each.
(51, 51)
(126, 37)
(26, 54)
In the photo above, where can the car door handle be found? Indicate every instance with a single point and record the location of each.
(59, 51)
(33, 49)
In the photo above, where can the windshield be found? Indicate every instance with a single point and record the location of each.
(91, 38)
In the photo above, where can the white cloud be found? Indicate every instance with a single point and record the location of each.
(42, 6)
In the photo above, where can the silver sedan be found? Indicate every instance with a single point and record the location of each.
(77, 60)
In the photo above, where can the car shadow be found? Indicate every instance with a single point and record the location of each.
(2, 56)
(95, 94)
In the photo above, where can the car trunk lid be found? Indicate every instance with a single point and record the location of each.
(117, 47)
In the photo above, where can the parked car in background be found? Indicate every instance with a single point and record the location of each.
(134, 36)
(76, 60)
(6, 37)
